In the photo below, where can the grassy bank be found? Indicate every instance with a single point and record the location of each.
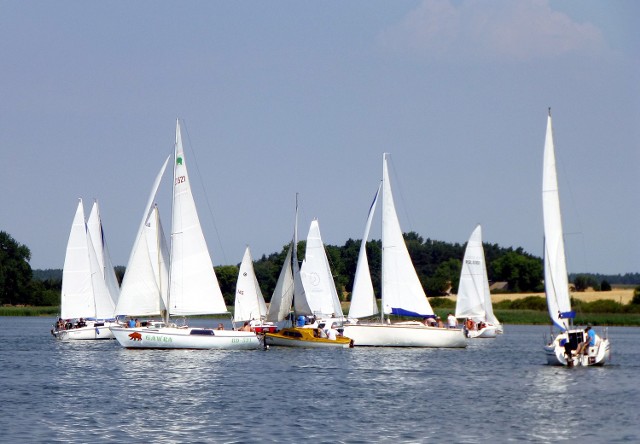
(597, 308)
(29, 311)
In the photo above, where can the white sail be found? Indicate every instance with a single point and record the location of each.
(96, 230)
(103, 305)
(77, 290)
(317, 279)
(402, 292)
(193, 286)
(249, 303)
(363, 298)
(300, 303)
(145, 283)
(474, 285)
(282, 297)
(555, 268)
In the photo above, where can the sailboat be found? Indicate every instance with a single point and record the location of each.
(562, 349)
(474, 299)
(145, 283)
(249, 303)
(193, 286)
(402, 293)
(311, 290)
(85, 295)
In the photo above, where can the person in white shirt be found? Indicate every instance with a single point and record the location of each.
(452, 321)
(332, 333)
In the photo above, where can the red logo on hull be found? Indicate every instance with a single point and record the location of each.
(135, 336)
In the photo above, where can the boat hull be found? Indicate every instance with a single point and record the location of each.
(89, 333)
(556, 353)
(185, 338)
(411, 334)
(488, 332)
(304, 338)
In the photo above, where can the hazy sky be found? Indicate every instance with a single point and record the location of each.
(294, 96)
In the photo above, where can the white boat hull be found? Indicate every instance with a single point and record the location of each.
(556, 354)
(88, 333)
(185, 338)
(483, 333)
(410, 334)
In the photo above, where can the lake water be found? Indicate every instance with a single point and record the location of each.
(497, 390)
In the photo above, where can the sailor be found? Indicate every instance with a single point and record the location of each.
(333, 333)
(590, 340)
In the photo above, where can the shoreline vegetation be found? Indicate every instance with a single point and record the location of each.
(601, 308)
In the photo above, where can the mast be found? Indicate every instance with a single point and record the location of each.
(173, 203)
(384, 198)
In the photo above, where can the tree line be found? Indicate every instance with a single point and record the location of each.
(438, 265)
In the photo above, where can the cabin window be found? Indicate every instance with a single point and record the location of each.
(202, 332)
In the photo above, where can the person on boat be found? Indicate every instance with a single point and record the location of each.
(81, 323)
(470, 325)
(333, 333)
(220, 326)
(429, 322)
(246, 326)
(131, 323)
(60, 324)
(452, 321)
(138, 324)
(589, 342)
(439, 322)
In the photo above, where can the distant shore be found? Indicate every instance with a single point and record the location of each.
(507, 316)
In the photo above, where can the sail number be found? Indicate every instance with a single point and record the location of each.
(180, 179)
(240, 340)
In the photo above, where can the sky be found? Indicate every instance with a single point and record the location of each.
(286, 97)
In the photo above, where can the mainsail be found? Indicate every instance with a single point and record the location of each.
(317, 279)
(193, 286)
(249, 302)
(555, 267)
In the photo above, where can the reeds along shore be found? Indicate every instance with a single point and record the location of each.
(622, 296)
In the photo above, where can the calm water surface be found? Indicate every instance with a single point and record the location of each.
(497, 390)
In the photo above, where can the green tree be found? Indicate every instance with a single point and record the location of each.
(522, 273)
(15, 271)
(636, 296)
(446, 276)
(605, 286)
(584, 281)
(227, 278)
